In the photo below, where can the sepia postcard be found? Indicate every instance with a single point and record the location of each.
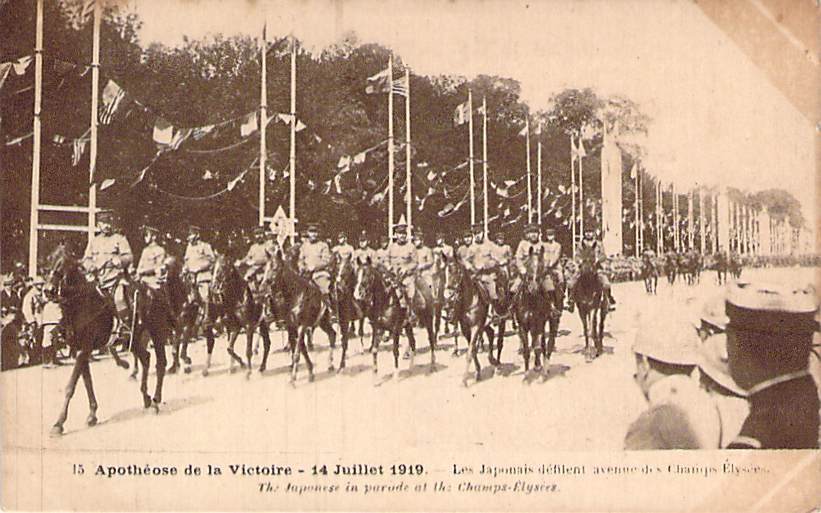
(379, 255)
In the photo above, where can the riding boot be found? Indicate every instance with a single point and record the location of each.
(612, 300)
(570, 304)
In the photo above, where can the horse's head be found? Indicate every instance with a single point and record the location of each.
(534, 269)
(64, 273)
(345, 275)
(223, 274)
(454, 275)
(365, 279)
(273, 269)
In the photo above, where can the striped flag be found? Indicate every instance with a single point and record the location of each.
(400, 87)
(379, 83)
(112, 96)
(78, 147)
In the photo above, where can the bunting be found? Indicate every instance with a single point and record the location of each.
(112, 95)
(461, 114)
(379, 83)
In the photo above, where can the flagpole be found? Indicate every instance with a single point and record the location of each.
(636, 211)
(659, 218)
(676, 241)
(390, 148)
(34, 218)
(470, 160)
(691, 225)
(572, 197)
(263, 118)
(581, 188)
(408, 192)
(529, 186)
(95, 93)
(292, 150)
(539, 179)
(484, 164)
(640, 177)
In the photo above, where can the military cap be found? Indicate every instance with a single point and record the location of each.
(676, 344)
(478, 227)
(194, 229)
(400, 227)
(8, 279)
(259, 230)
(771, 308)
(105, 215)
(363, 235)
(713, 362)
(38, 280)
(499, 235)
(550, 231)
(312, 227)
(531, 228)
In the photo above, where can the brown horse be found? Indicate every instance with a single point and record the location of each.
(232, 303)
(534, 308)
(470, 310)
(650, 275)
(308, 311)
(185, 305)
(592, 302)
(278, 288)
(154, 319)
(348, 310)
(378, 293)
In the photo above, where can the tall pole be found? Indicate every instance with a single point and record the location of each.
(408, 192)
(529, 185)
(34, 218)
(636, 214)
(470, 162)
(676, 240)
(690, 220)
(263, 117)
(660, 217)
(702, 221)
(573, 196)
(95, 93)
(484, 165)
(581, 190)
(390, 148)
(292, 150)
(539, 193)
(640, 177)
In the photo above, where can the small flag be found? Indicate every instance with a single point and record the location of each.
(5, 68)
(249, 125)
(79, 147)
(163, 132)
(344, 162)
(360, 157)
(580, 150)
(208, 175)
(400, 87)
(634, 171)
(481, 109)
(111, 98)
(59, 139)
(108, 182)
(539, 128)
(179, 137)
(379, 83)
(233, 183)
(460, 115)
(288, 118)
(525, 130)
(21, 64)
(202, 131)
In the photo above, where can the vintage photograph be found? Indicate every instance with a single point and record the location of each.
(382, 255)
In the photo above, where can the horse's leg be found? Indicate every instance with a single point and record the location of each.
(175, 351)
(303, 348)
(145, 360)
(328, 327)
(185, 339)
(249, 345)
(82, 360)
(209, 346)
(537, 339)
(346, 329)
(433, 335)
(92, 399)
(119, 361)
(466, 331)
(411, 351)
(266, 345)
(396, 332)
(500, 341)
(295, 353)
(159, 352)
(376, 337)
(583, 315)
(475, 353)
(551, 342)
(599, 340)
(232, 338)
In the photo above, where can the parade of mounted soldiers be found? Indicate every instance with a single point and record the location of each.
(339, 267)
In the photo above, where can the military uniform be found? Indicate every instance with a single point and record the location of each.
(591, 251)
(343, 252)
(151, 268)
(481, 261)
(522, 255)
(198, 260)
(362, 255)
(442, 252)
(107, 256)
(381, 257)
(402, 261)
(315, 259)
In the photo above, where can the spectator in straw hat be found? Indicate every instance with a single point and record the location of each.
(769, 338)
(680, 414)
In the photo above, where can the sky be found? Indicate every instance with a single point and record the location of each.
(716, 119)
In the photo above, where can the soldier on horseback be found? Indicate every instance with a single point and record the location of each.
(442, 251)
(364, 251)
(481, 262)
(107, 256)
(590, 250)
(198, 262)
(257, 257)
(381, 258)
(402, 261)
(464, 248)
(315, 259)
(343, 252)
(552, 254)
(424, 258)
(530, 244)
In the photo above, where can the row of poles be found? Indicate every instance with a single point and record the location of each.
(740, 236)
